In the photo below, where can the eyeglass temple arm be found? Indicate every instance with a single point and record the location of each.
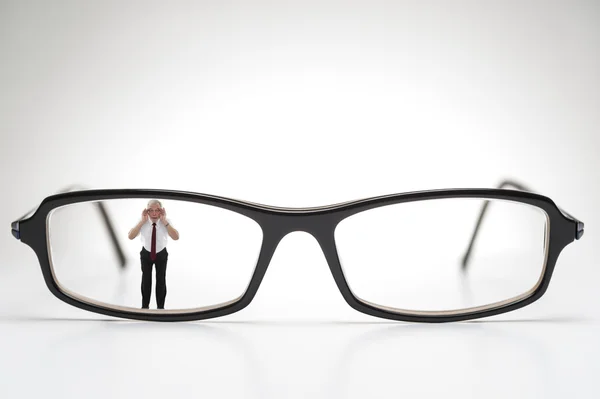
(105, 217)
(518, 186)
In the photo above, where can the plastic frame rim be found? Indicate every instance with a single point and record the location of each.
(276, 223)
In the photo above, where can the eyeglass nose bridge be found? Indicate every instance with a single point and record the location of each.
(317, 224)
(278, 225)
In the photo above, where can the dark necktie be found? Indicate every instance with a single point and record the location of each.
(153, 247)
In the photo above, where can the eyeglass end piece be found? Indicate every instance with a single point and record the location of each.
(15, 230)
(579, 232)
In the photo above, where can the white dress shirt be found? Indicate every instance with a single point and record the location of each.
(162, 235)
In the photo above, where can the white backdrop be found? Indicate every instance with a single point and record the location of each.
(300, 104)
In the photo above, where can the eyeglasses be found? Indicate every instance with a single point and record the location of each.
(409, 256)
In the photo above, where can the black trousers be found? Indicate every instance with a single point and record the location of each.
(161, 277)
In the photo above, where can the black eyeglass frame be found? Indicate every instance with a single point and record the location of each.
(277, 222)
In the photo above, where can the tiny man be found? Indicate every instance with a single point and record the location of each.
(154, 230)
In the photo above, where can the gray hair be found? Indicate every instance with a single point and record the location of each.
(154, 201)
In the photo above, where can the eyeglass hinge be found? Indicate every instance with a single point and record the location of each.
(15, 230)
(579, 232)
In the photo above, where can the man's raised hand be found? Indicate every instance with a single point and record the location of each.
(163, 216)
